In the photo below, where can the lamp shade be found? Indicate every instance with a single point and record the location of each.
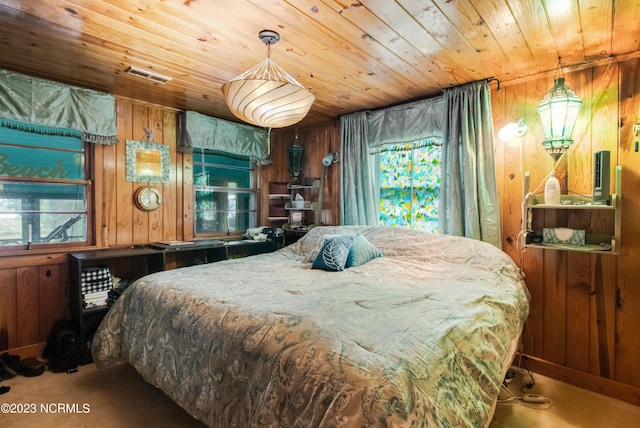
(558, 111)
(266, 95)
(512, 130)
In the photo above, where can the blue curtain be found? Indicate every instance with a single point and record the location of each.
(468, 191)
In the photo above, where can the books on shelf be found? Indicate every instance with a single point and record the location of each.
(98, 298)
(172, 244)
(177, 245)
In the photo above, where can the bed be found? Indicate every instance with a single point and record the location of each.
(418, 331)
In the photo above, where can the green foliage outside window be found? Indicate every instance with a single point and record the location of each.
(410, 185)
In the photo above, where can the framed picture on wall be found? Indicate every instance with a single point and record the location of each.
(147, 162)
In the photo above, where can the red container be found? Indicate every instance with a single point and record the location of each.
(278, 188)
(277, 211)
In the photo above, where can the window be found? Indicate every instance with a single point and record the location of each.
(225, 193)
(410, 185)
(43, 188)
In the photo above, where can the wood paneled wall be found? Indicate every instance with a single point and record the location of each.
(118, 221)
(318, 141)
(33, 294)
(578, 330)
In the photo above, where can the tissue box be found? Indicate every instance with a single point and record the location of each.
(562, 235)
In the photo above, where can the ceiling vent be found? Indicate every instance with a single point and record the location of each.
(146, 74)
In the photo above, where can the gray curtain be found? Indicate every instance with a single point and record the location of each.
(206, 132)
(50, 108)
(358, 200)
(404, 123)
(365, 130)
(468, 190)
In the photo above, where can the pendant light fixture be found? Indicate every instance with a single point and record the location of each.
(558, 111)
(266, 95)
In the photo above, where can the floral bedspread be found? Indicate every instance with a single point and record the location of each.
(415, 338)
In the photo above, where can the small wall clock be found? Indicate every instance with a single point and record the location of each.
(148, 198)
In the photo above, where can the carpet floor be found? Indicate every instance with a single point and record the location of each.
(119, 397)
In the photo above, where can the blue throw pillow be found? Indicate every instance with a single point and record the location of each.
(361, 252)
(334, 253)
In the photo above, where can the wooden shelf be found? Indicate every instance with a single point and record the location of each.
(571, 202)
(315, 185)
(125, 263)
(308, 205)
(601, 223)
(276, 199)
(589, 248)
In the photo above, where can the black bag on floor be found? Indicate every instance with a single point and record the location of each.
(64, 350)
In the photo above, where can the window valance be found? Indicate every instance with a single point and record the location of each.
(407, 147)
(407, 122)
(206, 132)
(51, 108)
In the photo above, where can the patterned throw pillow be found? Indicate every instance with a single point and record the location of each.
(361, 252)
(313, 253)
(334, 253)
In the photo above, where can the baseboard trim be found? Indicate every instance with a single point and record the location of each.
(34, 350)
(608, 387)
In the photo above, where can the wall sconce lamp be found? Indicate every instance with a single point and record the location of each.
(327, 161)
(512, 130)
(558, 111)
(266, 95)
(332, 157)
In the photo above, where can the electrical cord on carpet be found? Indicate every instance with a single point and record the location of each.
(522, 361)
(533, 401)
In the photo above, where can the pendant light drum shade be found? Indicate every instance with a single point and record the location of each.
(266, 95)
(267, 103)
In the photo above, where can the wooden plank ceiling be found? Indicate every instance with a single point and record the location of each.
(351, 55)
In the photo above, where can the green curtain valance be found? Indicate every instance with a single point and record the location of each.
(206, 132)
(406, 147)
(51, 108)
(407, 122)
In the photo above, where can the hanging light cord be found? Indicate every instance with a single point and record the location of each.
(559, 69)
